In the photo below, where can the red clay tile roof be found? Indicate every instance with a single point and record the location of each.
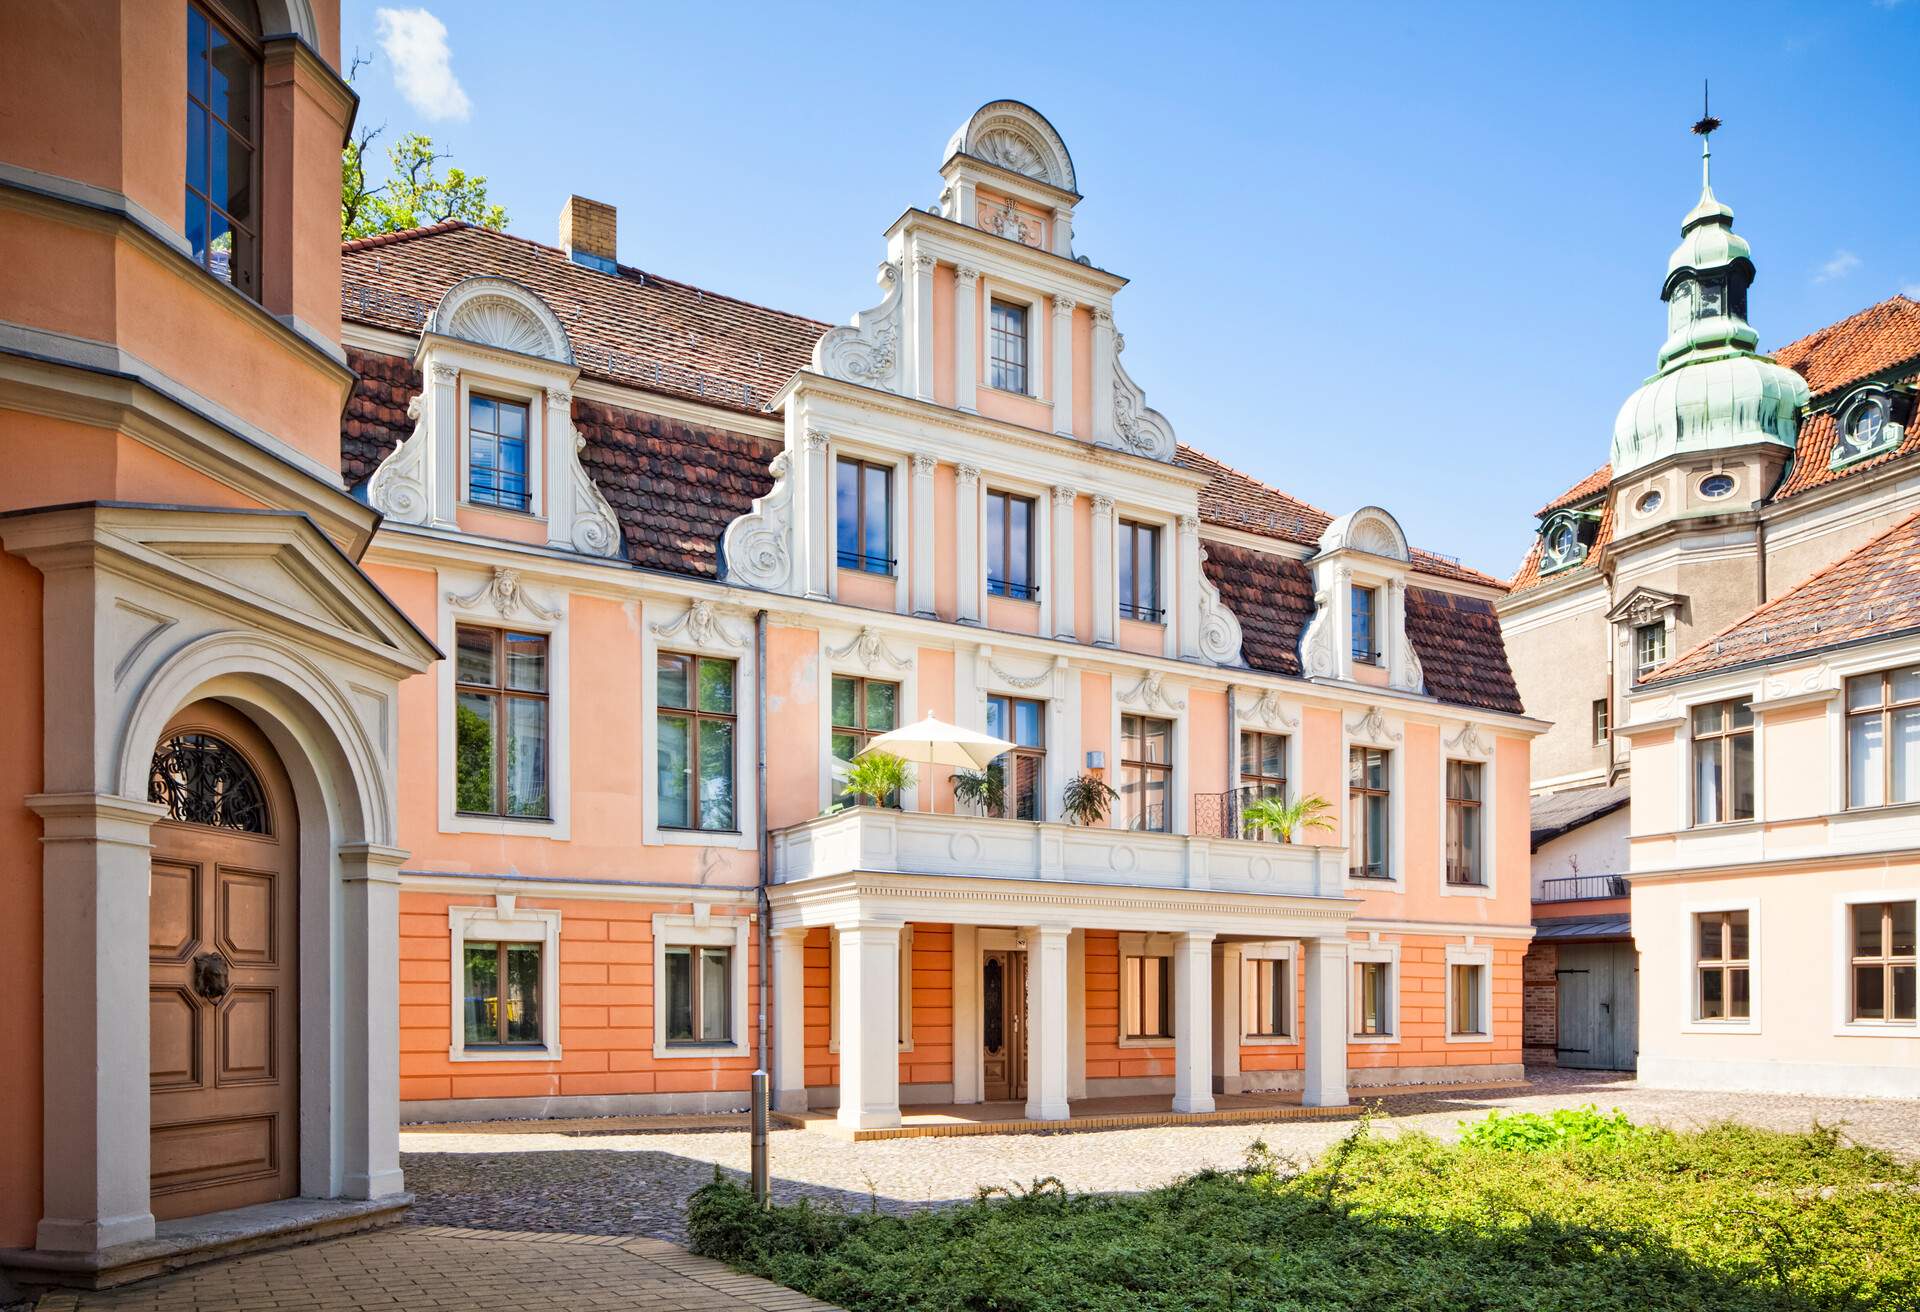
(1813, 454)
(1590, 486)
(635, 328)
(1528, 575)
(376, 420)
(1271, 596)
(1872, 592)
(1879, 337)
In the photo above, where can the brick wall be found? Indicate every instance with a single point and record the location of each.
(589, 226)
(1540, 1024)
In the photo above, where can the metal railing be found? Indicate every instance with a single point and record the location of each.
(1219, 815)
(1571, 888)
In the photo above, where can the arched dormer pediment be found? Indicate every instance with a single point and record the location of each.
(1369, 529)
(502, 314)
(1016, 137)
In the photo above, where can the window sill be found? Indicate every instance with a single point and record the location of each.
(1159, 622)
(1466, 890)
(690, 830)
(1143, 1041)
(511, 819)
(1373, 1040)
(1878, 1029)
(663, 1051)
(1269, 1041)
(504, 1054)
(1354, 878)
(1720, 1027)
(1469, 1038)
(1024, 396)
(528, 515)
(1031, 599)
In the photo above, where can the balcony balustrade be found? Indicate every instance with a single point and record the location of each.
(1573, 888)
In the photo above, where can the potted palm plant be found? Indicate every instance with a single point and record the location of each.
(1087, 799)
(985, 789)
(1283, 818)
(878, 777)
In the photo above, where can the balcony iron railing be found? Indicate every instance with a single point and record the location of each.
(1218, 815)
(1572, 888)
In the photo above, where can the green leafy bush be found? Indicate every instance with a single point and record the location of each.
(1532, 1132)
(878, 777)
(1713, 1221)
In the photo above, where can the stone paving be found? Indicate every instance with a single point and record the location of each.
(605, 1181)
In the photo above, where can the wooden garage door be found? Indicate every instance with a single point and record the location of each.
(224, 930)
(1599, 1006)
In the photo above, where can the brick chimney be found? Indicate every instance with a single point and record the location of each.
(587, 233)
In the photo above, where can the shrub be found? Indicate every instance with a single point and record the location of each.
(1532, 1132)
(878, 776)
(1271, 815)
(1086, 799)
(986, 789)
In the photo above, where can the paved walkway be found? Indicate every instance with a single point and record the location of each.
(431, 1267)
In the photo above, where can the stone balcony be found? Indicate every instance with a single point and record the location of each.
(878, 840)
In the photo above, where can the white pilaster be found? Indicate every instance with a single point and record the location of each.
(1227, 1026)
(966, 333)
(1104, 583)
(789, 1072)
(1063, 564)
(923, 325)
(1193, 1022)
(1187, 600)
(1063, 232)
(1326, 1023)
(370, 1011)
(966, 524)
(446, 454)
(869, 1026)
(1047, 1022)
(966, 1014)
(921, 583)
(96, 856)
(1063, 365)
(814, 512)
(1102, 376)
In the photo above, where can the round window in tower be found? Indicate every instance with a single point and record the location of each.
(1648, 503)
(1716, 485)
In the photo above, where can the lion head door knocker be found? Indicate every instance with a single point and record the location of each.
(212, 976)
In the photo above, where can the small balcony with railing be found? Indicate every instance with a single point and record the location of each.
(1581, 888)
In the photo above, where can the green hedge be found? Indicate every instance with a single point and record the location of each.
(1726, 1218)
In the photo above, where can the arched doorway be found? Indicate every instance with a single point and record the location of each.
(223, 965)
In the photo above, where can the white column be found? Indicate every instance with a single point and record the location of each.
(869, 1026)
(1326, 1023)
(1342, 603)
(1047, 1022)
(921, 582)
(1227, 1026)
(966, 534)
(1104, 582)
(370, 1008)
(789, 1072)
(1063, 232)
(96, 859)
(923, 325)
(1193, 1022)
(1063, 365)
(966, 334)
(1102, 376)
(1187, 601)
(1063, 503)
(445, 454)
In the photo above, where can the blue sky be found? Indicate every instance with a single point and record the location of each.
(1407, 255)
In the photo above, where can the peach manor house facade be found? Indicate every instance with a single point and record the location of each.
(482, 754)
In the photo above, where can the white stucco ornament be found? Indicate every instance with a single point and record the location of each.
(869, 350)
(757, 546)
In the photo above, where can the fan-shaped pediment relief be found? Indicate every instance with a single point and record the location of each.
(1018, 138)
(500, 313)
(1369, 529)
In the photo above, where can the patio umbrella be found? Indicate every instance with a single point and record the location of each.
(935, 742)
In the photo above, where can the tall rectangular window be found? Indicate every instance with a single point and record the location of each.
(1010, 546)
(500, 722)
(699, 995)
(1140, 572)
(863, 508)
(223, 95)
(1464, 861)
(1366, 646)
(1467, 1014)
(1146, 772)
(1602, 721)
(1373, 998)
(501, 1006)
(1268, 1004)
(1721, 983)
(1146, 997)
(497, 453)
(1722, 762)
(863, 709)
(1882, 961)
(1883, 738)
(1022, 771)
(1649, 648)
(1368, 796)
(696, 729)
(1007, 347)
(1263, 773)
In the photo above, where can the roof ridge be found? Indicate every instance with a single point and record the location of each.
(1252, 478)
(1606, 468)
(402, 234)
(1761, 610)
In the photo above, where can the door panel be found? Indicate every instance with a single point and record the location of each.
(1003, 1030)
(223, 969)
(1599, 1006)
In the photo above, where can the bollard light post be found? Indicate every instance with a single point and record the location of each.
(762, 1186)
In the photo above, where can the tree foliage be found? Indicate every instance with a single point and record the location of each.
(415, 192)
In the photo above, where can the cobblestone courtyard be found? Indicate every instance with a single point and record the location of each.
(594, 1181)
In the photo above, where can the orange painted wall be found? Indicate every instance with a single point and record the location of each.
(1207, 731)
(606, 1009)
(20, 962)
(946, 587)
(931, 1059)
(855, 587)
(1282, 1056)
(488, 523)
(943, 326)
(1096, 718)
(1083, 376)
(936, 699)
(1423, 1015)
(793, 715)
(1083, 569)
(1106, 1058)
(1140, 636)
(1323, 771)
(57, 461)
(1012, 616)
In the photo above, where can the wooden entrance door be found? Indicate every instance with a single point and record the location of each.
(1003, 1027)
(222, 964)
(1599, 1006)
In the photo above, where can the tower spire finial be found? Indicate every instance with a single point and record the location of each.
(1705, 129)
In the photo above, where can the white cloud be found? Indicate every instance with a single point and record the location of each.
(1842, 264)
(416, 44)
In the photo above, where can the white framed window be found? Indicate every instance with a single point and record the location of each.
(905, 973)
(1374, 992)
(1469, 993)
(1370, 772)
(1649, 647)
(1146, 990)
(505, 982)
(1010, 345)
(1876, 962)
(1883, 738)
(1723, 947)
(700, 985)
(502, 435)
(1723, 762)
(1269, 994)
(701, 633)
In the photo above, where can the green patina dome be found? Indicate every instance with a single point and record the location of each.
(1712, 391)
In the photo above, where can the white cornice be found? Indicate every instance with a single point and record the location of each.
(598, 890)
(1055, 271)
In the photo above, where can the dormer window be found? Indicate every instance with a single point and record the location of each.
(1566, 539)
(1365, 611)
(497, 453)
(1867, 426)
(1007, 347)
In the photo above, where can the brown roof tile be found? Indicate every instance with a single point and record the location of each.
(1271, 595)
(1878, 337)
(1872, 592)
(376, 419)
(1461, 651)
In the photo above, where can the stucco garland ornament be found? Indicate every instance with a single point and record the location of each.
(871, 648)
(1269, 712)
(1149, 692)
(702, 626)
(1372, 726)
(1468, 742)
(505, 594)
(1018, 680)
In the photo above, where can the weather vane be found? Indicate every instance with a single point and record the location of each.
(1708, 124)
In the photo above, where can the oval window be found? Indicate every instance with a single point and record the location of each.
(1649, 503)
(1716, 485)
